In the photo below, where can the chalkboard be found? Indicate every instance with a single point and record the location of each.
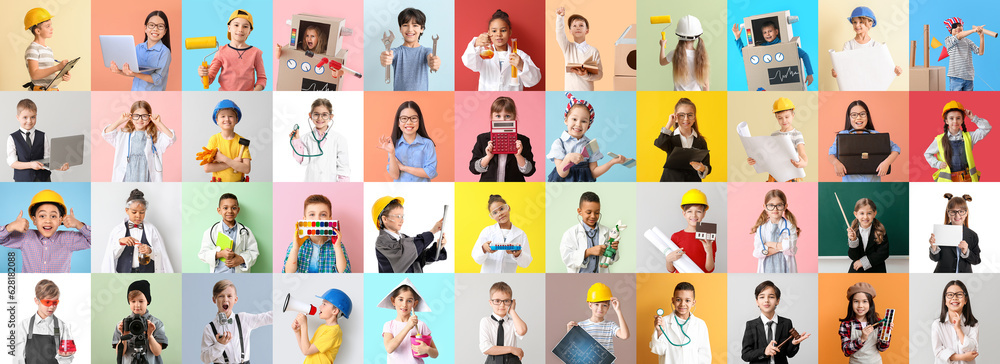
(578, 347)
(781, 75)
(892, 200)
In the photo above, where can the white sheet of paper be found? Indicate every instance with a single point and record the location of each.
(947, 235)
(773, 154)
(665, 245)
(864, 69)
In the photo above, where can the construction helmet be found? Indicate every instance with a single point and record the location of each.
(863, 11)
(380, 205)
(340, 300)
(689, 28)
(47, 196)
(239, 13)
(226, 104)
(953, 105)
(782, 104)
(35, 16)
(598, 292)
(694, 197)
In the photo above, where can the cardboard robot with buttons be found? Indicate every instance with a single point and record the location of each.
(302, 70)
(775, 67)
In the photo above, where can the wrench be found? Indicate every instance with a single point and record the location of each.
(435, 51)
(387, 38)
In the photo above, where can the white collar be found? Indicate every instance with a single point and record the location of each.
(582, 46)
(764, 319)
(864, 231)
(677, 131)
(26, 131)
(505, 318)
(392, 234)
(47, 319)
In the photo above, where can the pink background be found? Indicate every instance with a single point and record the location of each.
(108, 106)
(746, 201)
(126, 18)
(351, 11)
(472, 116)
(925, 113)
(346, 201)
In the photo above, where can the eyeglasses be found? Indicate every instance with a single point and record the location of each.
(398, 217)
(501, 302)
(685, 116)
(859, 115)
(323, 116)
(409, 119)
(152, 26)
(958, 295)
(771, 207)
(499, 210)
(144, 117)
(49, 303)
(958, 213)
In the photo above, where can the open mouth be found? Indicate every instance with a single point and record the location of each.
(225, 307)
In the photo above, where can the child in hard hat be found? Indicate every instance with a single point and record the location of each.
(775, 235)
(953, 158)
(153, 52)
(960, 50)
(772, 36)
(27, 146)
(38, 338)
(39, 58)
(582, 245)
(682, 131)
(503, 233)
(411, 153)
(139, 144)
(502, 167)
(322, 151)
(316, 254)
(491, 55)
(403, 336)
(135, 245)
(567, 152)
(46, 249)
(241, 254)
(962, 257)
(690, 61)
(694, 206)
(226, 338)
(680, 337)
(599, 299)
(396, 252)
(139, 298)
(860, 339)
(326, 341)
(764, 334)
(412, 63)
(578, 51)
(500, 332)
(863, 20)
(859, 121)
(784, 112)
(224, 160)
(237, 62)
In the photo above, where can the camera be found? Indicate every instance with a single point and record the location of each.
(136, 327)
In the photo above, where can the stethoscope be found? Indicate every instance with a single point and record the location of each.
(760, 232)
(242, 234)
(659, 312)
(156, 157)
(319, 142)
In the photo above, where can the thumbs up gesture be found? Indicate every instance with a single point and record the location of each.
(70, 220)
(19, 225)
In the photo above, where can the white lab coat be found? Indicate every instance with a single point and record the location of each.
(325, 168)
(500, 261)
(245, 246)
(574, 245)
(160, 258)
(494, 73)
(211, 349)
(788, 248)
(699, 351)
(119, 140)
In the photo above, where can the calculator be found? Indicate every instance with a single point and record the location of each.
(503, 134)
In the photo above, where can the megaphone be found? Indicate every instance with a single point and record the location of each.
(298, 306)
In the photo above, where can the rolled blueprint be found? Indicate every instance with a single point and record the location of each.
(661, 242)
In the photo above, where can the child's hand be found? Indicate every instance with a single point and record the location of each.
(294, 134)
(751, 161)
(933, 242)
(336, 238)
(517, 351)
(857, 265)
(883, 168)
(801, 338)
(66, 76)
(443, 241)
(614, 244)
(615, 304)
(202, 71)
(579, 71)
(839, 169)
(798, 164)
(964, 246)
(296, 327)
(150, 327)
(675, 255)
(574, 158)
(809, 80)
(487, 248)
(235, 261)
(898, 70)
(301, 319)
(155, 119)
(65, 353)
(736, 30)
(569, 326)
(385, 143)
(412, 322)
(597, 250)
(513, 303)
(483, 40)
(851, 235)
(489, 148)
(64, 167)
(834, 72)
(297, 240)
(224, 338)
(519, 146)
(561, 11)
(126, 70)
(434, 62)
(277, 50)
(953, 317)
(867, 331)
(62, 64)
(386, 57)
(421, 348)
(771, 349)
(126, 116)
(120, 329)
(144, 249)
(437, 226)
(697, 166)
(37, 165)
(707, 244)
(70, 220)
(515, 60)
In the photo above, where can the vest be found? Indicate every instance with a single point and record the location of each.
(125, 260)
(28, 153)
(944, 174)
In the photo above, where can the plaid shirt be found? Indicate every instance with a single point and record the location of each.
(851, 346)
(46, 255)
(327, 257)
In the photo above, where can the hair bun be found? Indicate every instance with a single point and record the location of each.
(967, 198)
(135, 195)
(948, 196)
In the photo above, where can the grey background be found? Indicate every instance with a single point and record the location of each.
(254, 293)
(162, 210)
(659, 205)
(472, 293)
(305, 287)
(60, 114)
(925, 306)
(566, 300)
(198, 127)
(799, 300)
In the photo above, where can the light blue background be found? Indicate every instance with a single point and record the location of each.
(934, 13)
(806, 29)
(382, 15)
(204, 19)
(614, 128)
(437, 289)
(76, 196)
(254, 293)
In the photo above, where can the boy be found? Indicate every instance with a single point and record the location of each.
(217, 342)
(396, 252)
(580, 79)
(38, 337)
(237, 60)
(686, 339)
(241, 254)
(326, 340)
(583, 244)
(763, 334)
(228, 164)
(26, 147)
(960, 49)
(156, 337)
(316, 254)
(497, 332)
(41, 63)
(771, 36)
(784, 112)
(599, 298)
(413, 62)
(47, 212)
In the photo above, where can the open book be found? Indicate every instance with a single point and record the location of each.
(590, 65)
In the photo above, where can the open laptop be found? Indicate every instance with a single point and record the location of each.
(64, 150)
(121, 50)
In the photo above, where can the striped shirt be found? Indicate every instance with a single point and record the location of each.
(46, 255)
(960, 57)
(603, 332)
(45, 58)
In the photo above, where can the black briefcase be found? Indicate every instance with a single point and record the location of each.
(862, 153)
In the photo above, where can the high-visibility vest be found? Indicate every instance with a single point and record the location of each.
(944, 174)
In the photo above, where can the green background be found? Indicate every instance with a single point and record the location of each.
(891, 199)
(198, 213)
(617, 203)
(711, 13)
(109, 302)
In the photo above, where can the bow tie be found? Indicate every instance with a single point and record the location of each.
(226, 321)
(134, 226)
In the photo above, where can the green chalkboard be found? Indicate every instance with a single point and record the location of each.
(892, 200)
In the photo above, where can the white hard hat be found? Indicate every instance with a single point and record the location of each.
(689, 28)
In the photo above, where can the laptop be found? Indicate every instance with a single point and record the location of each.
(65, 150)
(121, 50)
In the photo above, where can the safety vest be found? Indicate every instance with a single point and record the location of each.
(944, 174)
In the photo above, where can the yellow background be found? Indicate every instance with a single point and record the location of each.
(755, 109)
(527, 212)
(892, 29)
(70, 39)
(653, 110)
(607, 23)
(655, 290)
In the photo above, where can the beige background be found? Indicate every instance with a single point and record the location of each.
(755, 109)
(891, 28)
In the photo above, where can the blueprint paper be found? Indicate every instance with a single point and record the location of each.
(773, 154)
(660, 241)
(864, 69)
(578, 347)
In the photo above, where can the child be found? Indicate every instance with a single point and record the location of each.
(694, 206)
(414, 61)
(690, 61)
(960, 49)
(863, 20)
(217, 342)
(580, 79)
(139, 145)
(331, 164)
(38, 337)
(326, 341)
(859, 339)
(498, 331)
(397, 333)
(26, 147)
(135, 245)
(47, 212)
(682, 131)
(953, 161)
(412, 157)
(760, 343)
(955, 334)
(396, 252)
(494, 66)
(316, 254)
(784, 112)
(776, 235)
(583, 245)
(237, 60)
(39, 58)
(153, 52)
(155, 340)
(568, 149)
(676, 341)
(867, 257)
(488, 165)
(966, 254)
(238, 257)
(503, 233)
(228, 165)
(599, 298)
(858, 121)
(771, 36)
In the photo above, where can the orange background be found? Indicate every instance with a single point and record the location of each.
(127, 18)
(892, 291)
(606, 24)
(438, 109)
(889, 112)
(655, 290)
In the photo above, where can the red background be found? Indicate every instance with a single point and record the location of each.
(527, 22)
(926, 123)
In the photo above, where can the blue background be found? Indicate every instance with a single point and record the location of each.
(76, 196)
(437, 289)
(934, 13)
(203, 19)
(614, 128)
(806, 29)
(382, 15)
(254, 293)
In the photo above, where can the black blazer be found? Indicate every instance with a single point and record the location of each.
(512, 174)
(877, 253)
(667, 142)
(948, 256)
(755, 341)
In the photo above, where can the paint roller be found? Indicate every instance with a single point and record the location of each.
(203, 43)
(292, 304)
(662, 19)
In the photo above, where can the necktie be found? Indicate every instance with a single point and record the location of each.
(27, 138)
(499, 331)
(770, 332)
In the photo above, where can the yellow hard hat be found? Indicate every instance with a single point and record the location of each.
(782, 104)
(380, 205)
(598, 292)
(952, 105)
(239, 13)
(35, 16)
(694, 197)
(47, 196)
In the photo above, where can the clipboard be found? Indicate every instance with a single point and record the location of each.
(680, 158)
(444, 216)
(55, 81)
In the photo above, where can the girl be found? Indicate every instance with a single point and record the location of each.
(862, 19)
(681, 337)
(859, 338)
(868, 254)
(153, 52)
(322, 165)
(135, 245)
(411, 151)
(567, 151)
(314, 39)
(491, 56)
(690, 61)
(398, 333)
(682, 131)
(503, 233)
(955, 334)
(139, 145)
(694, 206)
(775, 235)
(961, 258)
(858, 121)
(953, 158)
(502, 167)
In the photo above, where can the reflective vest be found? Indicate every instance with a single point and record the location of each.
(944, 174)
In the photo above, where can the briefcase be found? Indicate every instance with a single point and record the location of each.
(862, 153)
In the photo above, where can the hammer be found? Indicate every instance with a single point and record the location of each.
(244, 143)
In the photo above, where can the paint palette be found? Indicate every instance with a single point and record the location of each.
(317, 227)
(890, 314)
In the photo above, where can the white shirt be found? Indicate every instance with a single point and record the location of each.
(494, 73)
(864, 235)
(211, 349)
(788, 247)
(500, 261)
(699, 351)
(853, 44)
(774, 329)
(692, 83)
(245, 246)
(574, 52)
(42, 327)
(161, 261)
(488, 332)
(574, 245)
(12, 151)
(120, 140)
(944, 341)
(332, 166)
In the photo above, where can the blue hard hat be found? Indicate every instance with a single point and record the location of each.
(865, 12)
(340, 300)
(226, 104)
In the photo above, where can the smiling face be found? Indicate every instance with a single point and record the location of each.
(693, 214)
(769, 32)
(27, 118)
(958, 213)
(226, 118)
(228, 209)
(153, 32)
(499, 32)
(767, 301)
(409, 122)
(411, 31)
(321, 117)
(500, 309)
(777, 209)
(785, 119)
(685, 117)
(43, 310)
(577, 121)
(860, 305)
(138, 304)
(683, 302)
(47, 219)
(140, 118)
(500, 212)
(599, 309)
(954, 120)
(955, 298)
(225, 300)
(590, 212)
(865, 215)
(239, 29)
(404, 303)
(136, 212)
(861, 120)
(393, 222)
(958, 28)
(861, 24)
